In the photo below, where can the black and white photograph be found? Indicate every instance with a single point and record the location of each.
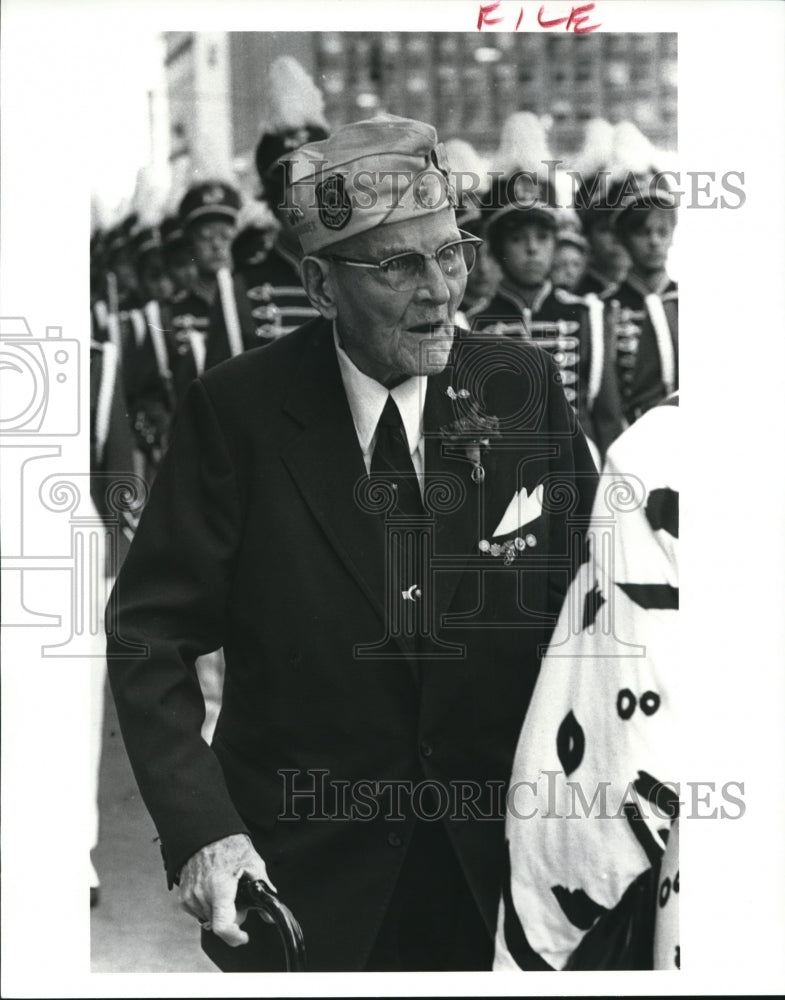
(384, 602)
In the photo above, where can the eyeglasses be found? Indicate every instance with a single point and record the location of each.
(405, 271)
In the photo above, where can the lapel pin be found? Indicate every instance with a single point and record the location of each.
(508, 549)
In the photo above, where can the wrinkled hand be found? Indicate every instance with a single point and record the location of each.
(208, 885)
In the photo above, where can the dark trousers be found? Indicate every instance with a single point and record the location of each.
(433, 923)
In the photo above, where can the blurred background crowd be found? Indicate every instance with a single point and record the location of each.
(197, 263)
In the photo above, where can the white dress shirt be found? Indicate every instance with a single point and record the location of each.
(367, 398)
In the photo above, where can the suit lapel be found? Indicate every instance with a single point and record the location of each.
(326, 463)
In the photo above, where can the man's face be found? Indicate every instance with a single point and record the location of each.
(527, 254)
(569, 263)
(389, 334)
(648, 245)
(212, 244)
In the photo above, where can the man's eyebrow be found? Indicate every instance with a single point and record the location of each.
(393, 250)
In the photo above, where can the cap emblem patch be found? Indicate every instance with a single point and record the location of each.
(335, 209)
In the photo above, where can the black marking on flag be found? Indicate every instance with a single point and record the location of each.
(665, 800)
(642, 833)
(662, 510)
(515, 938)
(591, 605)
(652, 596)
(570, 743)
(578, 906)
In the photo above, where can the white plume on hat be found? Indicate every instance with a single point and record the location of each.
(256, 214)
(597, 151)
(464, 159)
(523, 145)
(101, 215)
(179, 184)
(632, 152)
(119, 211)
(150, 195)
(293, 99)
(210, 162)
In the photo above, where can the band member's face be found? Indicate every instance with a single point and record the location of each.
(123, 267)
(608, 254)
(212, 244)
(182, 269)
(569, 263)
(649, 244)
(389, 333)
(156, 283)
(484, 277)
(527, 254)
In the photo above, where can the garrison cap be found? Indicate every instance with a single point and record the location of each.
(365, 175)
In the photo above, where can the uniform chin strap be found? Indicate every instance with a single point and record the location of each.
(155, 327)
(137, 321)
(229, 307)
(199, 348)
(662, 332)
(103, 408)
(596, 324)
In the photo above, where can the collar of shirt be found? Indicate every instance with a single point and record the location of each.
(509, 289)
(367, 399)
(640, 286)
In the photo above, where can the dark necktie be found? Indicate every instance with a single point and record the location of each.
(392, 462)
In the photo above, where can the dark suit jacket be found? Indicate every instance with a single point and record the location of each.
(258, 537)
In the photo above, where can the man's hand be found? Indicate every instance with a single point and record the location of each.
(208, 885)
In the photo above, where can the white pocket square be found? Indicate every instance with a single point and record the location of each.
(522, 509)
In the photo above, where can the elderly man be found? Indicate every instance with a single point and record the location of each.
(377, 518)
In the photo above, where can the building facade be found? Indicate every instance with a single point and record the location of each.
(466, 84)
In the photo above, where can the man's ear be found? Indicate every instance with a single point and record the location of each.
(317, 282)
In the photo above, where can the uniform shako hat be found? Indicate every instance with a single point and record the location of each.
(146, 239)
(569, 238)
(118, 237)
(367, 174)
(209, 200)
(171, 231)
(639, 195)
(273, 145)
(518, 200)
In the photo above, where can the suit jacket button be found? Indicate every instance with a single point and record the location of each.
(394, 839)
(426, 749)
